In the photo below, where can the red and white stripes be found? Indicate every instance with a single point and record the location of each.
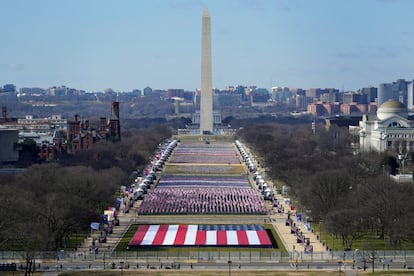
(200, 235)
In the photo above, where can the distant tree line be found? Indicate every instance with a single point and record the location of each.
(349, 194)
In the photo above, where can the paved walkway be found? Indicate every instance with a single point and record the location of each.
(351, 273)
(288, 239)
(112, 240)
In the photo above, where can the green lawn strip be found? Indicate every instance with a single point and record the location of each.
(370, 241)
(75, 240)
(71, 242)
(334, 242)
(123, 244)
(279, 243)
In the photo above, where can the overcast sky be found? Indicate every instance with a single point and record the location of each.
(131, 44)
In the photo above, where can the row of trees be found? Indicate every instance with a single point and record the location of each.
(350, 194)
(48, 203)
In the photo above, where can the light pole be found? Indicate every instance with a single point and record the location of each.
(122, 267)
(339, 267)
(353, 258)
(293, 253)
(229, 262)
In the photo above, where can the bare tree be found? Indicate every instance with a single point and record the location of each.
(347, 223)
(325, 191)
(390, 208)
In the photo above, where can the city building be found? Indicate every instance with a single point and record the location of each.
(81, 135)
(147, 91)
(314, 92)
(396, 91)
(353, 108)
(41, 130)
(351, 97)
(410, 95)
(172, 93)
(58, 91)
(369, 95)
(9, 88)
(329, 97)
(280, 94)
(8, 141)
(317, 109)
(323, 109)
(259, 95)
(225, 99)
(391, 128)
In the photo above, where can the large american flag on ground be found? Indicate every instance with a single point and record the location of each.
(201, 235)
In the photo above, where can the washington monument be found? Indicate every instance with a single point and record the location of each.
(206, 101)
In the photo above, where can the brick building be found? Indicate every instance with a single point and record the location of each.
(80, 135)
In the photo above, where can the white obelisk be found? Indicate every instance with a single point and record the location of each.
(206, 97)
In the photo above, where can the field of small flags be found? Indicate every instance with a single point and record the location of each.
(201, 194)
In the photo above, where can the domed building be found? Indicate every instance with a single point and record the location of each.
(392, 127)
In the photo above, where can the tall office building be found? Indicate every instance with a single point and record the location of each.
(206, 103)
(393, 91)
(410, 95)
(385, 93)
(369, 94)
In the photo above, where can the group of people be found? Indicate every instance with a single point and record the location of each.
(300, 238)
(279, 207)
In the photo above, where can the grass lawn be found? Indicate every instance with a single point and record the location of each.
(75, 240)
(369, 241)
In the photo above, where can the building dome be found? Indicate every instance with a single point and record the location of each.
(392, 104)
(391, 108)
